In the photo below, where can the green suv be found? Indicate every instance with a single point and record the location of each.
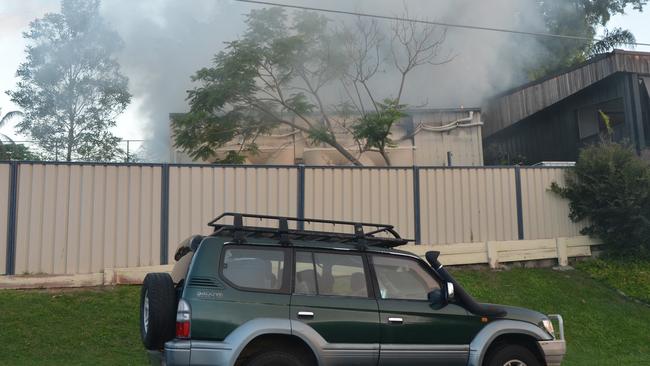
(275, 294)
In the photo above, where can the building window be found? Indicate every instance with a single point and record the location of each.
(591, 123)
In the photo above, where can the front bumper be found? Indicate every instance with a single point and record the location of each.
(555, 350)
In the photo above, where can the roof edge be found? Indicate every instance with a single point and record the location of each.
(567, 70)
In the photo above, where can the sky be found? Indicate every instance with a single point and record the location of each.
(153, 33)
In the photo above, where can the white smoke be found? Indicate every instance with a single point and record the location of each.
(166, 41)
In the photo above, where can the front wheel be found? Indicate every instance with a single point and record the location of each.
(512, 355)
(276, 358)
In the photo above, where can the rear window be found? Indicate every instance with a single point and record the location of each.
(254, 268)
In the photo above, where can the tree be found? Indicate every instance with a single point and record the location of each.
(17, 152)
(609, 191)
(282, 74)
(4, 120)
(580, 18)
(70, 87)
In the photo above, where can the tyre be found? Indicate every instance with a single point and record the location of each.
(276, 358)
(157, 310)
(512, 355)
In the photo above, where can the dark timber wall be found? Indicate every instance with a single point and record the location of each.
(552, 134)
(520, 103)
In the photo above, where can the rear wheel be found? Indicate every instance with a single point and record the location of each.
(512, 355)
(276, 358)
(157, 310)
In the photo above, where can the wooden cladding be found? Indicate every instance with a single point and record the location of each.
(523, 102)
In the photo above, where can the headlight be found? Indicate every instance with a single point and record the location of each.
(548, 325)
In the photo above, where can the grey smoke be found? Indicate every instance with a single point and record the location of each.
(166, 41)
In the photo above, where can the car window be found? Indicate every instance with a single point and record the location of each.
(254, 268)
(330, 274)
(402, 278)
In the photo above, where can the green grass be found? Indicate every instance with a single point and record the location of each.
(602, 328)
(78, 327)
(100, 327)
(631, 278)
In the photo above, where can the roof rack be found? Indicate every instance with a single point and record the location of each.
(285, 235)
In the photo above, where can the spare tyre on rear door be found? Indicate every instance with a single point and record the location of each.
(157, 310)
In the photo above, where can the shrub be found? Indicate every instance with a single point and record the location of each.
(609, 189)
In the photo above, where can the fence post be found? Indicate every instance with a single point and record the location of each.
(520, 209)
(301, 196)
(416, 204)
(493, 253)
(562, 252)
(10, 268)
(164, 214)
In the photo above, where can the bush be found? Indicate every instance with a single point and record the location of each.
(610, 190)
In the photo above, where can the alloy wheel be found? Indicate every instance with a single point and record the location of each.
(145, 312)
(515, 363)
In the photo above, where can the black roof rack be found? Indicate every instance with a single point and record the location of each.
(285, 235)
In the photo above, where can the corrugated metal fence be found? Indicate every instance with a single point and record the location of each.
(62, 218)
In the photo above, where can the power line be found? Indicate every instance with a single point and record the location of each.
(449, 25)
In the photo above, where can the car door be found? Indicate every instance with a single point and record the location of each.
(332, 306)
(413, 332)
(251, 282)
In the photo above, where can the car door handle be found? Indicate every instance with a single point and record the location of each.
(395, 320)
(305, 314)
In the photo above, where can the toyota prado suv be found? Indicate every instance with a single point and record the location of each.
(264, 291)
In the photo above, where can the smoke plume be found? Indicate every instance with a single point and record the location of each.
(166, 41)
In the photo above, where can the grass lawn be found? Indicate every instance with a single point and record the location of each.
(71, 327)
(602, 328)
(632, 278)
(100, 327)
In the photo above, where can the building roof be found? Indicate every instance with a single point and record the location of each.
(517, 104)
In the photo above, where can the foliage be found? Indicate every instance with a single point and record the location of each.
(71, 88)
(497, 154)
(609, 190)
(278, 74)
(601, 327)
(580, 18)
(14, 151)
(4, 120)
(630, 277)
(611, 39)
(75, 327)
(374, 128)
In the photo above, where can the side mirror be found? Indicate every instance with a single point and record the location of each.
(439, 298)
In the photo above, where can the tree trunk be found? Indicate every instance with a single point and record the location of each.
(345, 153)
(70, 141)
(68, 156)
(385, 156)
